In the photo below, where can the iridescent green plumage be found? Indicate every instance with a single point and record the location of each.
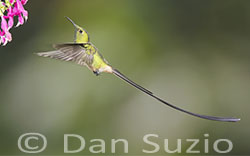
(83, 52)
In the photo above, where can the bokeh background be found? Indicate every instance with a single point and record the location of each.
(195, 54)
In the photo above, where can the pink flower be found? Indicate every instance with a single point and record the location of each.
(10, 15)
(8, 10)
(5, 35)
(20, 20)
(20, 11)
(4, 26)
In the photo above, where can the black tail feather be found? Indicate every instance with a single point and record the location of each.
(123, 77)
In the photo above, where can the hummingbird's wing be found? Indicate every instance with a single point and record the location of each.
(123, 77)
(69, 52)
(77, 53)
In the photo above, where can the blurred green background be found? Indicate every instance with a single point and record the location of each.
(195, 54)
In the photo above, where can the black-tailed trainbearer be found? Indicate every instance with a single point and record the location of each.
(84, 53)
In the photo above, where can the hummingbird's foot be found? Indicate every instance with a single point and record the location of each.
(97, 73)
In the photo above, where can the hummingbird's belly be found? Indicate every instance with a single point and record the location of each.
(100, 65)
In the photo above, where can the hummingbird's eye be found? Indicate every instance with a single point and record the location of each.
(80, 31)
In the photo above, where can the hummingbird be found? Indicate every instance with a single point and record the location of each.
(84, 53)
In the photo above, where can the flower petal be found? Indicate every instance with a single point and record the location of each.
(4, 25)
(24, 2)
(1, 33)
(25, 15)
(8, 36)
(12, 1)
(10, 22)
(4, 41)
(19, 5)
(21, 9)
(20, 20)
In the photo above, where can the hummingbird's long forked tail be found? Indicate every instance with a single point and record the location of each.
(123, 77)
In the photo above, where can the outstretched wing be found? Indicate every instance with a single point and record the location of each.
(69, 52)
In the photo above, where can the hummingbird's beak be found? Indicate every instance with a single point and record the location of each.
(71, 21)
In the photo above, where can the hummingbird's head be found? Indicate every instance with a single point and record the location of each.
(81, 35)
